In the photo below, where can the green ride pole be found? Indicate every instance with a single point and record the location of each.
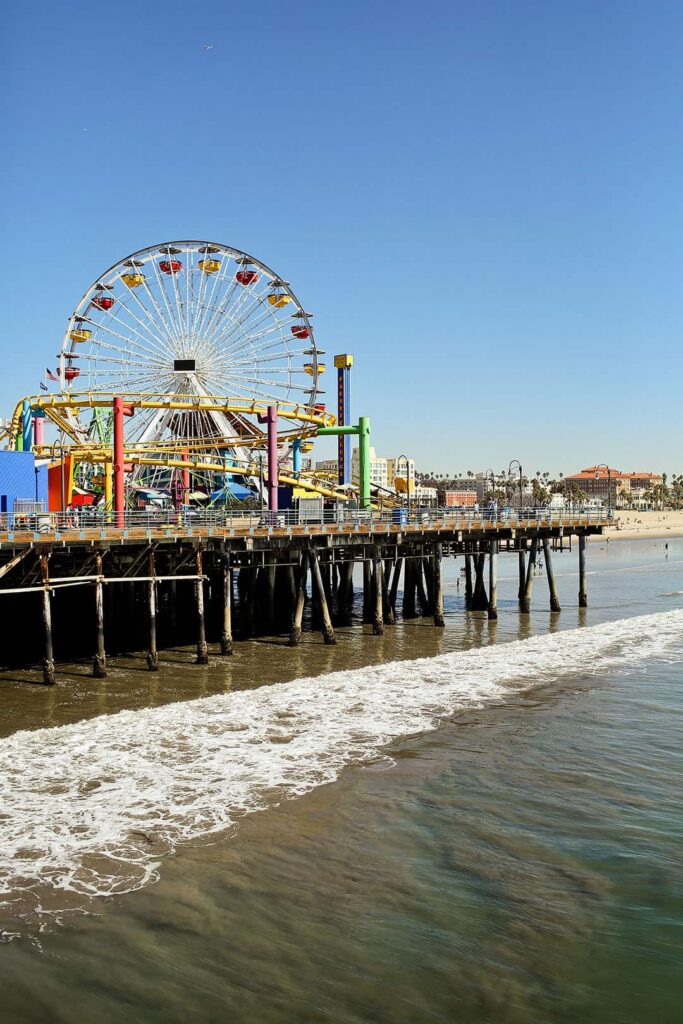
(364, 460)
(363, 432)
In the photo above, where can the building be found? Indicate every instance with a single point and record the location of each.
(465, 497)
(378, 469)
(614, 486)
(424, 495)
(327, 466)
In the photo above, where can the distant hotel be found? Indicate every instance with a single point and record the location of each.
(598, 482)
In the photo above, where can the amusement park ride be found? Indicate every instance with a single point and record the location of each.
(181, 366)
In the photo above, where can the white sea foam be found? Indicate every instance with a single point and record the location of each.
(90, 809)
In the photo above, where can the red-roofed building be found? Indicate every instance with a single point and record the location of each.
(595, 481)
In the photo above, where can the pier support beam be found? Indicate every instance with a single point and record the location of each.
(422, 598)
(583, 589)
(393, 589)
(552, 590)
(409, 589)
(152, 652)
(525, 603)
(226, 631)
(99, 662)
(522, 576)
(480, 601)
(387, 607)
(367, 590)
(468, 582)
(378, 577)
(438, 585)
(297, 617)
(49, 659)
(493, 580)
(202, 650)
(319, 592)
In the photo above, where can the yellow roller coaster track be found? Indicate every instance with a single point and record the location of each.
(307, 418)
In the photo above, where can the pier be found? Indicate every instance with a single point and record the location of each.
(220, 578)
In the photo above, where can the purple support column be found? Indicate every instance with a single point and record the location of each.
(272, 457)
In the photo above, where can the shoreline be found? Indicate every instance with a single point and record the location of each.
(644, 526)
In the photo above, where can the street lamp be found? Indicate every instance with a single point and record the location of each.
(405, 458)
(519, 465)
(604, 465)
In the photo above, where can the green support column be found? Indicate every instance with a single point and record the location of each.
(364, 461)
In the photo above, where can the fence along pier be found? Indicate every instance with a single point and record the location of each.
(120, 583)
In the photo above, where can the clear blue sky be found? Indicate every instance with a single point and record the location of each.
(483, 201)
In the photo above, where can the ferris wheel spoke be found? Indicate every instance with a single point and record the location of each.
(250, 298)
(168, 328)
(131, 339)
(130, 343)
(172, 324)
(227, 303)
(162, 342)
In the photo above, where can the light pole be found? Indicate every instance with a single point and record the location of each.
(604, 465)
(519, 466)
(405, 457)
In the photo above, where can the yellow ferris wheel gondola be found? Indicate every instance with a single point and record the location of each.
(80, 334)
(279, 299)
(132, 279)
(313, 370)
(210, 266)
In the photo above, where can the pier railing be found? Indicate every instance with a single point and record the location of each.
(88, 522)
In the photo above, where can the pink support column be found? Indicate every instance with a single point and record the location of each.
(119, 494)
(272, 458)
(39, 430)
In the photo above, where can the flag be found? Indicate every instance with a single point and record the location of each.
(43, 386)
(50, 374)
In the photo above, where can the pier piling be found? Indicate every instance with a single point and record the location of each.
(438, 585)
(493, 580)
(583, 589)
(525, 603)
(522, 576)
(297, 617)
(319, 593)
(152, 652)
(378, 578)
(49, 660)
(468, 582)
(550, 572)
(480, 601)
(202, 649)
(99, 662)
(226, 631)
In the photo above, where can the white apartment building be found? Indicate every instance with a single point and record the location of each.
(378, 469)
(397, 467)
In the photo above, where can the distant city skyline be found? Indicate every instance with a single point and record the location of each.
(481, 202)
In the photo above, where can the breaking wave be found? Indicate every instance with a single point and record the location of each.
(91, 809)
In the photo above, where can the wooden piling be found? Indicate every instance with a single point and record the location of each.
(439, 619)
(48, 660)
(409, 610)
(300, 603)
(550, 572)
(493, 580)
(319, 592)
(422, 599)
(152, 652)
(99, 662)
(387, 607)
(202, 649)
(393, 588)
(468, 582)
(583, 589)
(226, 631)
(522, 576)
(525, 603)
(378, 577)
(367, 589)
(480, 601)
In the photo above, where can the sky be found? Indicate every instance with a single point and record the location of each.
(480, 200)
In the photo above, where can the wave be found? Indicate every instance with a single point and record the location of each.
(91, 809)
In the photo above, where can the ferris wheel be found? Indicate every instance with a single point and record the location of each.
(192, 318)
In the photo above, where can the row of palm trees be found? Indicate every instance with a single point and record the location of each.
(538, 488)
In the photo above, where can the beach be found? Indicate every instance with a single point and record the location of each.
(653, 525)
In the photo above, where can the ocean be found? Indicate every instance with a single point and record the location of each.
(475, 824)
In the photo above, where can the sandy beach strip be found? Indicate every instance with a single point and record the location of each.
(644, 526)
